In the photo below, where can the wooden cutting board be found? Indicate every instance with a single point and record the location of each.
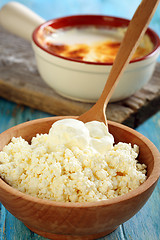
(20, 82)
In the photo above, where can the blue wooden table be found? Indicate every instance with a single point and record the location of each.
(145, 225)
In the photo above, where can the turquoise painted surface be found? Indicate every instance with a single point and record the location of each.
(145, 225)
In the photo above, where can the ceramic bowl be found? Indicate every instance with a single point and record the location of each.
(69, 221)
(84, 81)
(78, 80)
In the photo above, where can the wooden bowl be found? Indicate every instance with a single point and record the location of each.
(57, 220)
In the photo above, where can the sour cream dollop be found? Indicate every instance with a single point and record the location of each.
(75, 133)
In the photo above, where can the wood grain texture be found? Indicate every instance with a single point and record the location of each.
(145, 224)
(20, 82)
(135, 31)
(77, 221)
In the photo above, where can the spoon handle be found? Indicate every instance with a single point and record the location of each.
(133, 35)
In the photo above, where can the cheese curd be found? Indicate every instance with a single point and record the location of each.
(75, 162)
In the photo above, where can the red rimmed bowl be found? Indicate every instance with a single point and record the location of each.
(82, 80)
(73, 221)
(78, 79)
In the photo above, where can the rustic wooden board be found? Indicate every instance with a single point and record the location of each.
(145, 224)
(20, 82)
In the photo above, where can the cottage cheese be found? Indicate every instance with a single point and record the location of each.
(75, 162)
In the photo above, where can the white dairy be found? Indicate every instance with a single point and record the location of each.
(87, 35)
(72, 132)
(72, 167)
(100, 139)
(68, 132)
(88, 43)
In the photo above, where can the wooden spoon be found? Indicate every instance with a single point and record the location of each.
(134, 33)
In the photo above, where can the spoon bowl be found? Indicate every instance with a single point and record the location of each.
(57, 220)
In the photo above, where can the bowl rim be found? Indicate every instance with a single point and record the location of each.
(71, 22)
(150, 181)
